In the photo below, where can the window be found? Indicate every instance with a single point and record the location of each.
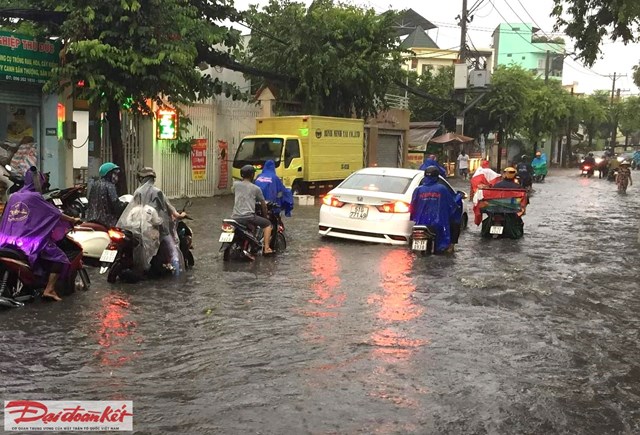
(19, 135)
(541, 63)
(414, 63)
(291, 151)
(257, 151)
(508, 54)
(377, 183)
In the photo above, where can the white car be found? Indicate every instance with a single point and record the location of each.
(372, 205)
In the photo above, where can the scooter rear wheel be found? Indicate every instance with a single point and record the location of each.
(114, 272)
(279, 243)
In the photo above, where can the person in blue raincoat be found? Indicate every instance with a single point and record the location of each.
(434, 205)
(432, 160)
(273, 189)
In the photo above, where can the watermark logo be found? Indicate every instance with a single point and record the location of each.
(70, 416)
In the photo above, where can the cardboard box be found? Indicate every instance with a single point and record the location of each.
(304, 200)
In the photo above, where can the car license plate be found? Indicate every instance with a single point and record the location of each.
(84, 200)
(108, 256)
(359, 211)
(496, 229)
(57, 201)
(419, 245)
(226, 237)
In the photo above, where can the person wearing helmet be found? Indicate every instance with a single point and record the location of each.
(247, 194)
(508, 179)
(104, 205)
(539, 165)
(152, 217)
(525, 172)
(623, 179)
(432, 204)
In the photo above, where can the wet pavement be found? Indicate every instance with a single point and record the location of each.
(538, 335)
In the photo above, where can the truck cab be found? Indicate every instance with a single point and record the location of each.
(285, 151)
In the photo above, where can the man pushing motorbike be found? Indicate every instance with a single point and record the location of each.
(433, 205)
(34, 226)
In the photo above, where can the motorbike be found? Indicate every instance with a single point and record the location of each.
(587, 170)
(246, 241)
(71, 201)
(612, 174)
(94, 238)
(117, 259)
(423, 240)
(16, 178)
(20, 284)
(502, 225)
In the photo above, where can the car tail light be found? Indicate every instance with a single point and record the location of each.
(227, 228)
(394, 207)
(116, 235)
(332, 201)
(398, 238)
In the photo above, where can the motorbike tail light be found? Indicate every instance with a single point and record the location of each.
(586, 168)
(227, 228)
(116, 235)
(332, 201)
(419, 234)
(394, 207)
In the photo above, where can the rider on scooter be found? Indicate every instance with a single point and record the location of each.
(244, 207)
(273, 189)
(433, 205)
(104, 205)
(151, 217)
(34, 226)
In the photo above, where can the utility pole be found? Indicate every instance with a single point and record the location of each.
(462, 59)
(614, 127)
(547, 67)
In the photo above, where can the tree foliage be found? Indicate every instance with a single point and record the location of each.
(591, 21)
(630, 116)
(436, 82)
(342, 58)
(548, 107)
(136, 51)
(594, 109)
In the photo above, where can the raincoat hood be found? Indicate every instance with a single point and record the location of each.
(273, 189)
(30, 223)
(33, 181)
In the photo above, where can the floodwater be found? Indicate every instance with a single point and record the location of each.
(534, 336)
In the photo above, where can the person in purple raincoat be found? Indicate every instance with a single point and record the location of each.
(34, 226)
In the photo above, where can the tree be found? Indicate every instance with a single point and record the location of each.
(630, 117)
(343, 58)
(135, 52)
(591, 21)
(594, 113)
(437, 83)
(636, 75)
(507, 101)
(547, 108)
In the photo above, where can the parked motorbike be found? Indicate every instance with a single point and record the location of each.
(71, 201)
(94, 238)
(16, 178)
(423, 240)
(587, 170)
(246, 241)
(117, 260)
(19, 283)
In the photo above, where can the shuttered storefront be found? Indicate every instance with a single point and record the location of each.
(18, 94)
(388, 150)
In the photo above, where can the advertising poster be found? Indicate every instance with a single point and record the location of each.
(199, 159)
(18, 130)
(223, 151)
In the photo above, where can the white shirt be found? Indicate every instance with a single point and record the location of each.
(463, 161)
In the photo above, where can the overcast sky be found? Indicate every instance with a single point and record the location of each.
(616, 56)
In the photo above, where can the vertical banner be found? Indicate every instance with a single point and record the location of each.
(223, 151)
(198, 159)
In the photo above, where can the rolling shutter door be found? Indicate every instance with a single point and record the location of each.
(19, 94)
(388, 150)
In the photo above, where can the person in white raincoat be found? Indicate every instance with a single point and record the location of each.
(151, 217)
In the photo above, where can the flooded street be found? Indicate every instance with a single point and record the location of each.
(538, 335)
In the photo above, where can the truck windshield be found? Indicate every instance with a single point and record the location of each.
(258, 151)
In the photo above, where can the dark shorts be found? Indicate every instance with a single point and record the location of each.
(256, 221)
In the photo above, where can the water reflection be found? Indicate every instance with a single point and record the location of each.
(327, 297)
(396, 307)
(115, 333)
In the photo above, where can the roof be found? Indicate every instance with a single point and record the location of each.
(418, 39)
(426, 124)
(393, 172)
(409, 20)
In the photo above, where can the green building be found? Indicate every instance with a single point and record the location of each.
(519, 44)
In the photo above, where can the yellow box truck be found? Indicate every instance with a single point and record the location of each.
(312, 153)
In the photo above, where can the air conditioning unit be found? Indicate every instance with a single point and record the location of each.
(479, 78)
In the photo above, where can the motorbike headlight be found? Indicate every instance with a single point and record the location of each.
(598, 160)
(621, 159)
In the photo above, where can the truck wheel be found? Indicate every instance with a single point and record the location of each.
(296, 187)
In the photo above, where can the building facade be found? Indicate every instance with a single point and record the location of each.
(519, 44)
